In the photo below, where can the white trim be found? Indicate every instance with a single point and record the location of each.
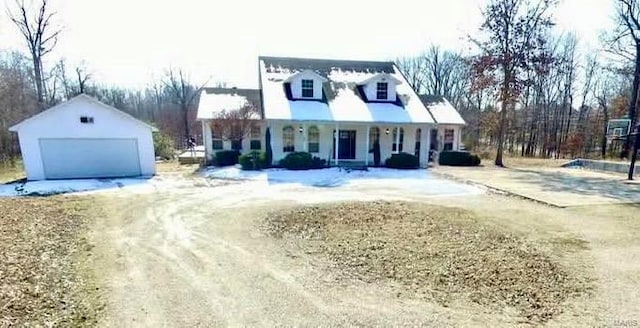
(80, 97)
(380, 76)
(304, 72)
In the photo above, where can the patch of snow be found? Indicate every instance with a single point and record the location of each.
(418, 182)
(54, 187)
(212, 104)
(445, 113)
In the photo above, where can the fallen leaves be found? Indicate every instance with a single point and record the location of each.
(42, 272)
(437, 252)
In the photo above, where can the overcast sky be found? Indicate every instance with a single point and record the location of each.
(129, 42)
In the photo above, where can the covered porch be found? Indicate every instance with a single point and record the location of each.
(350, 144)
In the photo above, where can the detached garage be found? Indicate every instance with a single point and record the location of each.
(84, 138)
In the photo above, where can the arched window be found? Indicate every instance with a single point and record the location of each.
(288, 139)
(418, 137)
(395, 138)
(314, 139)
(374, 136)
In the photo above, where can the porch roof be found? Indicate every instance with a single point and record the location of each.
(344, 102)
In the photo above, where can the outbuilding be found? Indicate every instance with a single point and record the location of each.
(85, 138)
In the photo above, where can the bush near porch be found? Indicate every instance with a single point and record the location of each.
(253, 161)
(302, 161)
(458, 158)
(402, 161)
(227, 157)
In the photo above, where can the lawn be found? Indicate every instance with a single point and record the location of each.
(45, 278)
(437, 253)
(11, 172)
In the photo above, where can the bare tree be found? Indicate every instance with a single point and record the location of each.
(514, 37)
(41, 37)
(413, 69)
(235, 124)
(183, 93)
(82, 77)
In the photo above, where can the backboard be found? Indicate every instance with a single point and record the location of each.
(618, 127)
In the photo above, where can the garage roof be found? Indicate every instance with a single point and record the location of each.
(85, 98)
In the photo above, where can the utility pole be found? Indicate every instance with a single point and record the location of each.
(634, 153)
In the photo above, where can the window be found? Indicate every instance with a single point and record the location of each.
(288, 139)
(374, 136)
(395, 135)
(448, 139)
(86, 119)
(314, 139)
(216, 140)
(307, 88)
(236, 144)
(382, 90)
(256, 144)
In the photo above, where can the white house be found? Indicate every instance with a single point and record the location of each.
(306, 104)
(84, 138)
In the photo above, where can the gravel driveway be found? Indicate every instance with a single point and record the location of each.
(189, 252)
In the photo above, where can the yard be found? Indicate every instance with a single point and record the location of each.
(380, 248)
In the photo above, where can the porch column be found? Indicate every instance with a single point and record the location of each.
(336, 139)
(366, 149)
(206, 141)
(305, 144)
(397, 139)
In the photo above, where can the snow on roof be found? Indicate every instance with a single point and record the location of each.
(443, 112)
(343, 100)
(216, 100)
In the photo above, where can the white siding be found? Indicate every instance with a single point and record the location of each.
(371, 88)
(64, 122)
(296, 85)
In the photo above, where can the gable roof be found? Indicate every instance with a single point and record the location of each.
(381, 76)
(307, 71)
(81, 98)
(344, 101)
(215, 100)
(443, 112)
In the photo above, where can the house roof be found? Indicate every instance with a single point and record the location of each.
(79, 98)
(344, 100)
(443, 112)
(216, 100)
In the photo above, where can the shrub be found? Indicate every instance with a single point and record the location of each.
(458, 158)
(302, 161)
(163, 145)
(402, 161)
(255, 160)
(227, 157)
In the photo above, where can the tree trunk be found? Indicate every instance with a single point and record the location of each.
(503, 117)
(634, 99)
(37, 72)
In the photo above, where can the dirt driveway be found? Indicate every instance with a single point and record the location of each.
(191, 254)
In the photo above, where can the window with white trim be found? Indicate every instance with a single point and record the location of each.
(314, 139)
(256, 143)
(382, 90)
(307, 88)
(288, 139)
(216, 142)
(86, 119)
(395, 138)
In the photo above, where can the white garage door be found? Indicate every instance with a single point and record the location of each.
(89, 158)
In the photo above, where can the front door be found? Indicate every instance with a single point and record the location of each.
(346, 145)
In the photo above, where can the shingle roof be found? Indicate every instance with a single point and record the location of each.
(325, 66)
(342, 100)
(216, 100)
(441, 110)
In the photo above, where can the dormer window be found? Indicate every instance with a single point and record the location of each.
(382, 89)
(307, 88)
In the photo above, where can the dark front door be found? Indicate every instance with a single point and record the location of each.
(346, 144)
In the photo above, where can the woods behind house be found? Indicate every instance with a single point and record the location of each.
(527, 88)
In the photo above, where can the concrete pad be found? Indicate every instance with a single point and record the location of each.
(560, 187)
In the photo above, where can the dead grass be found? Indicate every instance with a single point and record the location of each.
(45, 277)
(437, 253)
(173, 166)
(10, 172)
